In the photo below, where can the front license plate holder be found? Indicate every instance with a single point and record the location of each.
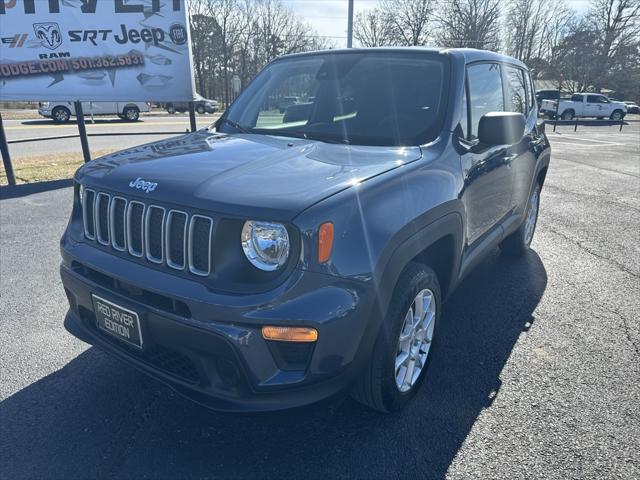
(117, 321)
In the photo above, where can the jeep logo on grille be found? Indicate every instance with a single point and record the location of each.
(141, 184)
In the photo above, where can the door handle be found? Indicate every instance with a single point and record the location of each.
(507, 159)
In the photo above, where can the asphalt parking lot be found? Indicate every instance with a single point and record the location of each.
(537, 374)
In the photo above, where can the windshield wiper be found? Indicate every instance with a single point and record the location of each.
(235, 125)
(306, 135)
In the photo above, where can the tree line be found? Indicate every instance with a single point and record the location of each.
(593, 49)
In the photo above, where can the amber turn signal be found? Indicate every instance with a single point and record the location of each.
(290, 334)
(325, 242)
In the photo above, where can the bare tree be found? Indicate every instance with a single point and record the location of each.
(469, 23)
(238, 37)
(372, 28)
(408, 20)
(616, 24)
(534, 28)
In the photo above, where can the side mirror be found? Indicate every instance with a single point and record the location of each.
(501, 128)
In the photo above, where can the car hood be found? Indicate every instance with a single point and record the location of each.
(244, 174)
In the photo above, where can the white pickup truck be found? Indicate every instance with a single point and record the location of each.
(61, 112)
(584, 105)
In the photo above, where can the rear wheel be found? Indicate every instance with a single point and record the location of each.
(61, 115)
(171, 109)
(617, 115)
(518, 242)
(200, 109)
(131, 114)
(567, 115)
(403, 349)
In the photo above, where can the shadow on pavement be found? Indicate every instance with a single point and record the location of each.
(98, 418)
(15, 191)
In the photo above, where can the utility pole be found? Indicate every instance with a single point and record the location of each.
(350, 26)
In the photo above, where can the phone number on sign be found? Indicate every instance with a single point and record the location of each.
(61, 66)
(107, 61)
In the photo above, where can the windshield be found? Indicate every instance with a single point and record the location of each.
(373, 98)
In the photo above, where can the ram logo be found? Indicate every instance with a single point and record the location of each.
(49, 34)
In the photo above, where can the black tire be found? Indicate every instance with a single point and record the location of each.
(200, 109)
(516, 244)
(377, 388)
(171, 109)
(567, 115)
(616, 115)
(61, 115)
(131, 114)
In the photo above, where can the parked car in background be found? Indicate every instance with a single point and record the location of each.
(582, 105)
(632, 107)
(61, 112)
(202, 105)
(269, 263)
(286, 102)
(548, 95)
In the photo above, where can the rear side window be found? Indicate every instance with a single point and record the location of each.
(485, 93)
(515, 89)
(531, 96)
(576, 98)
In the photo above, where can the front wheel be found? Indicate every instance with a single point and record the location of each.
(200, 110)
(403, 349)
(518, 242)
(131, 114)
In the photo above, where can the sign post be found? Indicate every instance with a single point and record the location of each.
(6, 159)
(82, 130)
(555, 123)
(192, 117)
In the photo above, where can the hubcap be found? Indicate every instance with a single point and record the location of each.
(131, 114)
(61, 115)
(532, 217)
(616, 116)
(415, 340)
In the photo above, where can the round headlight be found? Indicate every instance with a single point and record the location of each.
(265, 244)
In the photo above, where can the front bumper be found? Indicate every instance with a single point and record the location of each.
(208, 346)
(45, 112)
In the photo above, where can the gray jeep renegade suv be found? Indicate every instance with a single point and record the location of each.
(280, 258)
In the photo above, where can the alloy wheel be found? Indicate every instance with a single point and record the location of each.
(532, 216)
(414, 342)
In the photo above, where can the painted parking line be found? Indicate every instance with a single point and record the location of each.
(589, 145)
(573, 137)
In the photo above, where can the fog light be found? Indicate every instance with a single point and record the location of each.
(290, 334)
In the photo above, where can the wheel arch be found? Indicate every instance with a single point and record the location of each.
(438, 245)
(130, 105)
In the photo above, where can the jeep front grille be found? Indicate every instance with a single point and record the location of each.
(173, 238)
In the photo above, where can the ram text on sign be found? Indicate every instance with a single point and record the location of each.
(95, 50)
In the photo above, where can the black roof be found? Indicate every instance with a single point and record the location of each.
(469, 54)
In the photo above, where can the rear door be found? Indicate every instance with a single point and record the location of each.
(488, 176)
(522, 160)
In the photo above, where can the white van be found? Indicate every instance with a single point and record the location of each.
(61, 112)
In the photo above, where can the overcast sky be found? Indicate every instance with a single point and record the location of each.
(329, 17)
